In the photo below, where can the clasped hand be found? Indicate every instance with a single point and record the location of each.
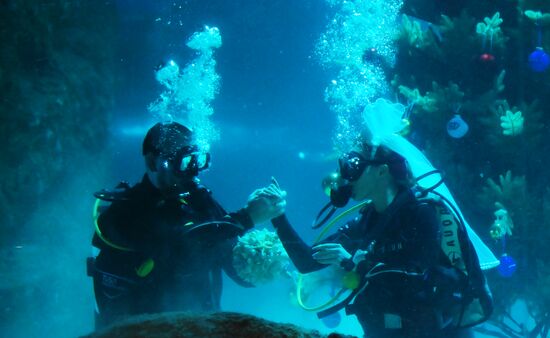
(330, 253)
(266, 203)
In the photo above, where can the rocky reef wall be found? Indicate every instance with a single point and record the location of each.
(56, 79)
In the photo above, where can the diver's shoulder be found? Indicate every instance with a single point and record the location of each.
(124, 193)
(120, 192)
(423, 208)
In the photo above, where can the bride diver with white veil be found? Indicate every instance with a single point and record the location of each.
(409, 263)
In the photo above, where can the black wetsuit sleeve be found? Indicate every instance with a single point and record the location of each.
(226, 247)
(240, 216)
(243, 218)
(300, 252)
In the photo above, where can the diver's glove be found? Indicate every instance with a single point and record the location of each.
(266, 203)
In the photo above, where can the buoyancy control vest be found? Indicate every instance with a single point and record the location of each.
(473, 302)
(457, 286)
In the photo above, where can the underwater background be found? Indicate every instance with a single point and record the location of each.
(79, 90)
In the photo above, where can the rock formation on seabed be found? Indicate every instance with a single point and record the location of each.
(216, 325)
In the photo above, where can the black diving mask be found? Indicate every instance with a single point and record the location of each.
(338, 185)
(189, 160)
(353, 164)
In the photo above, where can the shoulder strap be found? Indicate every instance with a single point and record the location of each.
(119, 193)
(104, 198)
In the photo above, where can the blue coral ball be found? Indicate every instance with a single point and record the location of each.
(539, 60)
(507, 266)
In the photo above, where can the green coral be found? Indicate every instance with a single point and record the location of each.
(538, 17)
(451, 28)
(447, 24)
(500, 120)
(486, 101)
(438, 99)
(499, 82)
(489, 94)
(413, 95)
(412, 32)
(508, 190)
(450, 96)
(458, 44)
(512, 123)
(490, 28)
(259, 257)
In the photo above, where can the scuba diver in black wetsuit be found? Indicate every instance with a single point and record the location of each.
(408, 287)
(163, 243)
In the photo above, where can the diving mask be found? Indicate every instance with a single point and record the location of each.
(353, 164)
(189, 160)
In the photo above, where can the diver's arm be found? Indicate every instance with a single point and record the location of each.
(299, 252)
(242, 217)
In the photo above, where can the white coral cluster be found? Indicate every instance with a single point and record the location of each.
(259, 257)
